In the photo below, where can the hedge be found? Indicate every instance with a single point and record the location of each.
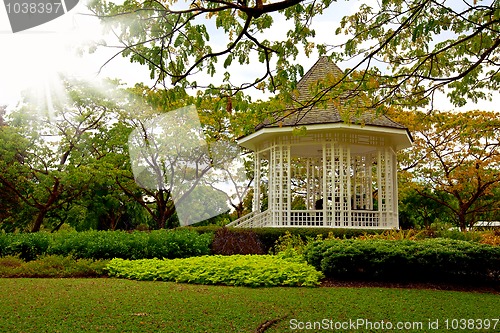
(107, 244)
(426, 260)
(177, 243)
(269, 236)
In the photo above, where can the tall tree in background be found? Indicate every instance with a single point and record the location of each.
(402, 51)
(13, 148)
(456, 161)
(54, 168)
(175, 170)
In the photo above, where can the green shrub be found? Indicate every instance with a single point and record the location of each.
(429, 259)
(98, 244)
(288, 242)
(51, 266)
(135, 245)
(237, 270)
(448, 230)
(4, 242)
(236, 241)
(26, 246)
(269, 236)
(177, 243)
(107, 244)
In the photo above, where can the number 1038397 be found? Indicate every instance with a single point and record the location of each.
(34, 8)
(472, 324)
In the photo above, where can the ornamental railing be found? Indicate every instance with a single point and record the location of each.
(252, 220)
(355, 219)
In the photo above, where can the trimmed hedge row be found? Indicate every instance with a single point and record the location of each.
(178, 243)
(107, 244)
(426, 260)
(269, 236)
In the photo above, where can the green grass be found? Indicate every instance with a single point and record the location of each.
(114, 305)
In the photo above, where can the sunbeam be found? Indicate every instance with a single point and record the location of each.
(34, 62)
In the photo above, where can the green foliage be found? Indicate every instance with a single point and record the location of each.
(404, 33)
(412, 234)
(233, 241)
(428, 46)
(289, 243)
(26, 246)
(107, 244)
(236, 270)
(447, 230)
(429, 259)
(453, 167)
(54, 181)
(269, 236)
(51, 266)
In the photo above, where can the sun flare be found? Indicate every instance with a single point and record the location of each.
(35, 61)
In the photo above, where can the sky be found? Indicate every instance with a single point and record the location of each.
(32, 59)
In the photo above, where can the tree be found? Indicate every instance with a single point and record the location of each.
(104, 205)
(13, 147)
(3, 111)
(403, 51)
(53, 168)
(238, 178)
(175, 153)
(417, 210)
(459, 161)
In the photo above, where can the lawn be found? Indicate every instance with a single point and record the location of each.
(115, 305)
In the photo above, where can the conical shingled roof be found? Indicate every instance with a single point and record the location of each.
(319, 114)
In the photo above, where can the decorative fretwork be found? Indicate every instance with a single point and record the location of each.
(337, 175)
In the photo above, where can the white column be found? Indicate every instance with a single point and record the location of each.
(325, 188)
(272, 184)
(279, 168)
(308, 192)
(395, 196)
(256, 183)
(349, 187)
(288, 180)
(380, 187)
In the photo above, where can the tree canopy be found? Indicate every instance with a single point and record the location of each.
(455, 162)
(400, 52)
(73, 162)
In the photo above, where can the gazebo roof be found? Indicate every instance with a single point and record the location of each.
(321, 117)
(318, 114)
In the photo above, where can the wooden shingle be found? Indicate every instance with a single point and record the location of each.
(326, 114)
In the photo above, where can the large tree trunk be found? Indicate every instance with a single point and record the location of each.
(44, 209)
(39, 220)
(239, 208)
(462, 221)
(165, 209)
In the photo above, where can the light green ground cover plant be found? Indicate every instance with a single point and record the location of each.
(235, 270)
(119, 305)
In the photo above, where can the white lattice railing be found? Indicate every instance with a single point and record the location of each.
(355, 219)
(252, 220)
